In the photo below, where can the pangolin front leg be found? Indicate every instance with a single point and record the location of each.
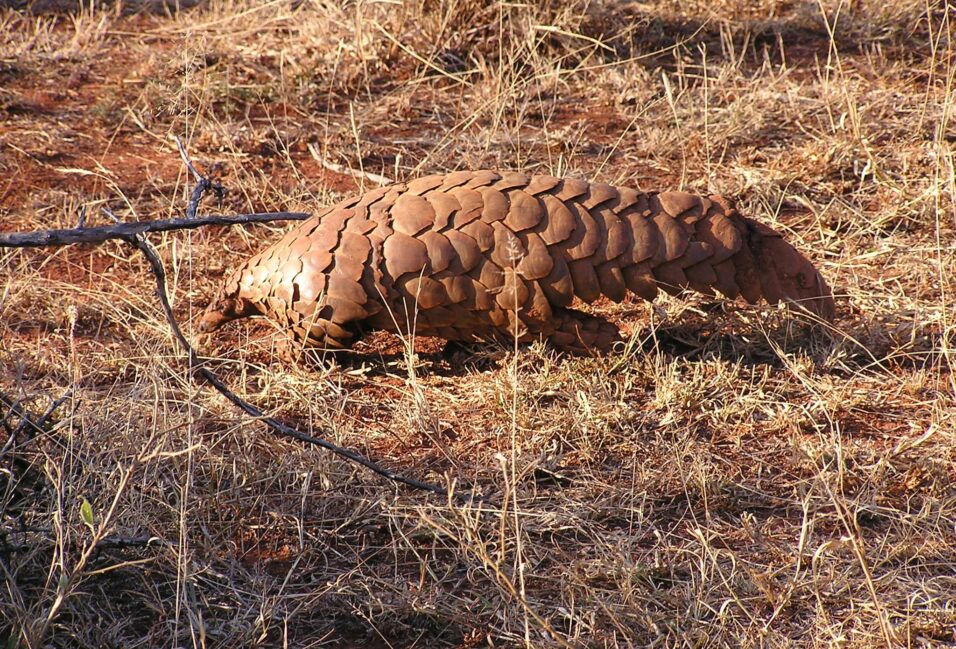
(480, 255)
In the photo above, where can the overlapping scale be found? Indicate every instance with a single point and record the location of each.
(477, 255)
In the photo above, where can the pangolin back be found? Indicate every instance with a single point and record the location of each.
(475, 255)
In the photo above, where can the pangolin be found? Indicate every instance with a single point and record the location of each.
(474, 255)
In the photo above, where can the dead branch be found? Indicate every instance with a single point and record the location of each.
(197, 367)
(99, 234)
(203, 183)
(38, 540)
(27, 423)
(25, 420)
(134, 234)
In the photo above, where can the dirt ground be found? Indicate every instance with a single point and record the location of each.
(732, 477)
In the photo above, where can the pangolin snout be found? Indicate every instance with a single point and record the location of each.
(222, 311)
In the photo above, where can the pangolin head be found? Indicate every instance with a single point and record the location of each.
(230, 304)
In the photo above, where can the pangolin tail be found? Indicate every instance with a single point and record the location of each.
(750, 260)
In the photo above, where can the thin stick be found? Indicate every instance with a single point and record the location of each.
(108, 542)
(196, 367)
(13, 408)
(41, 422)
(134, 234)
(202, 182)
(124, 231)
(189, 164)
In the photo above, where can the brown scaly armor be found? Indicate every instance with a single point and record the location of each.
(474, 255)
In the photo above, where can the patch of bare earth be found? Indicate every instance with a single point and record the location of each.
(731, 478)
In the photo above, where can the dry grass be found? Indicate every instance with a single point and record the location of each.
(728, 480)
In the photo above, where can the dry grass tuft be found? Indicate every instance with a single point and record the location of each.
(730, 479)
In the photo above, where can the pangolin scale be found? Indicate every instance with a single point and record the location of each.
(479, 255)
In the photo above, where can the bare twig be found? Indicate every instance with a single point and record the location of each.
(133, 542)
(196, 366)
(202, 183)
(111, 214)
(14, 408)
(133, 233)
(103, 233)
(186, 161)
(109, 542)
(41, 422)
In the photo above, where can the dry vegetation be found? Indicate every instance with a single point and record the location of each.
(730, 479)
